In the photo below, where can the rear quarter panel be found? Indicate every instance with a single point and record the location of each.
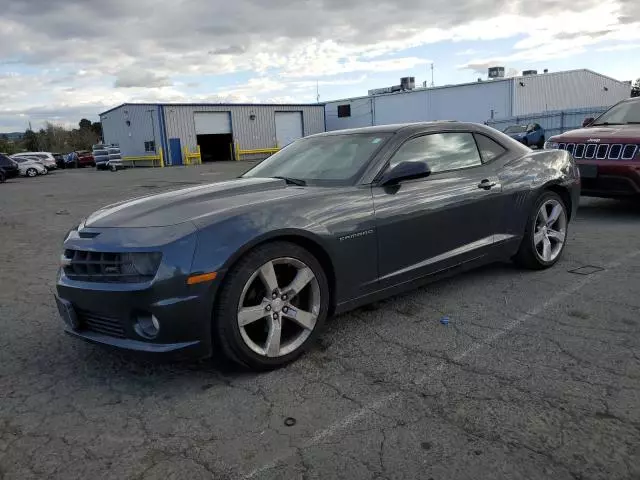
(524, 178)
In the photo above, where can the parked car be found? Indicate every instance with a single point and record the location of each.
(9, 166)
(607, 151)
(531, 135)
(60, 159)
(29, 167)
(331, 222)
(46, 158)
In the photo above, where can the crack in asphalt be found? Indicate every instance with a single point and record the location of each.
(382, 402)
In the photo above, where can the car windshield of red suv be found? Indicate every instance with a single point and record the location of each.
(626, 113)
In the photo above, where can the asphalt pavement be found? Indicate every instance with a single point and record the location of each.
(536, 376)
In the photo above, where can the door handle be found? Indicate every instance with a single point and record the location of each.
(486, 184)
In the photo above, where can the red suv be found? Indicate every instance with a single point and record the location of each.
(607, 151)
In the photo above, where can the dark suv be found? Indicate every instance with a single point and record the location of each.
(607, 151)
(9, 166)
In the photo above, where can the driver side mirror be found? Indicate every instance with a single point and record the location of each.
(587, 121)
(406, 171)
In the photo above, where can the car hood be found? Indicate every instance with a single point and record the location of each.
(604, 134)
(188, 204)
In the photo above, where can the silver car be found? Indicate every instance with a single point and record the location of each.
(47, 159)
(29, 167)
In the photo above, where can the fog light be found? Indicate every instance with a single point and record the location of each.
(147, 326)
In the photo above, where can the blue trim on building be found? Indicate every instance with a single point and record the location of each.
(163, 133)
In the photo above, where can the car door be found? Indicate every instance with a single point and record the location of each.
(434, 223)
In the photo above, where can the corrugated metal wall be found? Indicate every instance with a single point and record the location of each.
(554, 123)
(475, 102)
(400, 107)
(179, 123)
(470, 103)
(131, 138)
(361, 114)
(565, 90)
(250, 134)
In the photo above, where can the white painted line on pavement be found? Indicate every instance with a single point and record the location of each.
(371, 408)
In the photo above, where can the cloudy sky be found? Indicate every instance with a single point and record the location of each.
(61, 60)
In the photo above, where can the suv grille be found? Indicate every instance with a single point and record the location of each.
(601, 151)
(103, 267)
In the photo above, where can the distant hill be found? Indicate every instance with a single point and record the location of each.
(14, 136)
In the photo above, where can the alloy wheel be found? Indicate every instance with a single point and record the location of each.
(550, 230)
(279, 307)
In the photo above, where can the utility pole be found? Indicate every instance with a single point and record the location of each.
(432, 84)
(317, 91)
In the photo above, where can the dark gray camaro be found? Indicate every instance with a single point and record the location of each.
(252, 267)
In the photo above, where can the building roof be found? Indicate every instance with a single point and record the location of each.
(256, 105)
(483, 82)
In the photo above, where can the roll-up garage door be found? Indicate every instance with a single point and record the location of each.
(208, 123)
(288, 127)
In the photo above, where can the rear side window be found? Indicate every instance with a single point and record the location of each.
(489, 149)
(442, 151)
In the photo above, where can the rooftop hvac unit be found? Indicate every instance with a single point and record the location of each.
(408, 83)
(496, 72)
(529, 72)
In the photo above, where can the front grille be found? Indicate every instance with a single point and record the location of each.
(99, 323)
(601, 151)
(105, 267)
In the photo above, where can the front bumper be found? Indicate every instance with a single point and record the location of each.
(604, 178)
(110, 313)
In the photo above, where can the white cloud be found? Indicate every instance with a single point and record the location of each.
(159, 49)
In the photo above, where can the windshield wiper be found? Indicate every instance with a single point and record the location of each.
(606, 124)
(293, 181)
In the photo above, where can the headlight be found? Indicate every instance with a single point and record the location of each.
(144, 263)
(551, 145)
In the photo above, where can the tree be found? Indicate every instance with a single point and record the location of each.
(30, 141)
(85, 124)
(635, 88)
(97, 129)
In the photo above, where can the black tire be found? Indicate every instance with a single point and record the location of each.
(3, 178)
(32, 172)
(540, 143)
(227, 335)
(527, 256)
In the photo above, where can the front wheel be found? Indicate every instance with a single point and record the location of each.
(272, 306)
(32, 172)
(545, 234)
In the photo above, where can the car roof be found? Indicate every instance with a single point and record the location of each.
(401, 127)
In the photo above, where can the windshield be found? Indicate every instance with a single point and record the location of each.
(516, 129)
(324, 160)
(621, 114)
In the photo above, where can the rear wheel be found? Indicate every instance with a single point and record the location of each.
(272, 306)
(31, 172)
(44, 172)
(546, 232)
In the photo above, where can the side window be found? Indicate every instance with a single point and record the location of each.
(4, 161)
(489, 149)
(442, 151)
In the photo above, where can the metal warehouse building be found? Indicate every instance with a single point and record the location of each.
(220, 130)
(480, 101)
